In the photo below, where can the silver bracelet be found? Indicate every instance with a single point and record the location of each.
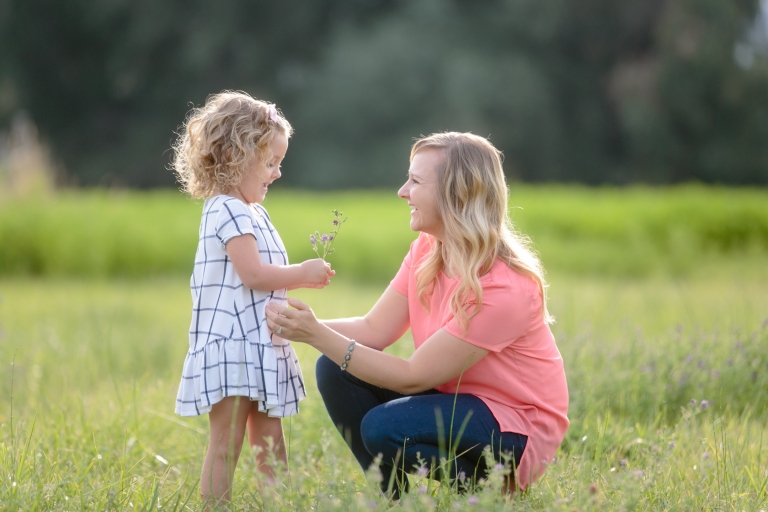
(348, 356)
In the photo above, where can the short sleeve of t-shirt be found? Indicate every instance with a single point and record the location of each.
(234, 219)
(505, 316)
(400, 281)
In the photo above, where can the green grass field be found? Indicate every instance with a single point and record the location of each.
(91, 359)
(630, 232)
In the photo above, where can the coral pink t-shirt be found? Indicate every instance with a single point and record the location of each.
(521, 380)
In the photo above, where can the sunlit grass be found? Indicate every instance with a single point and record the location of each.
(628, 232)
(90, 370)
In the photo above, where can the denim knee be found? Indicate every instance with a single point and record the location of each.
(378, 435)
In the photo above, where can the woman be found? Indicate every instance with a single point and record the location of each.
(473, 295)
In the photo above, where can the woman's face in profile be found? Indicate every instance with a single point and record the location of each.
(421, 192)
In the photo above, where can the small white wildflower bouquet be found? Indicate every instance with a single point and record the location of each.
(326, 240)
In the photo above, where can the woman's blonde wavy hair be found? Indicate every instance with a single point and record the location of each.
(472, 200)
(217, 141)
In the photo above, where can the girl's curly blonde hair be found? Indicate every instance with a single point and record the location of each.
(217, 141)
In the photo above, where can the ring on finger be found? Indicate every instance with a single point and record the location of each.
(279, 330)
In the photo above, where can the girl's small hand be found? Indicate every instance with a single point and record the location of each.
(318, 286)
(296, 324)
(317, 272)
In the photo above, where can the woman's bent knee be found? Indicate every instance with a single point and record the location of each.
(326, 373)
(377, 434)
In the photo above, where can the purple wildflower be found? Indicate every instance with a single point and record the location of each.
(694, 401)
(705, 455)
(326, 240)
(704, 404)
(473, 500)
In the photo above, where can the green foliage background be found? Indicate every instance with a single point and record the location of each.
(591, 91)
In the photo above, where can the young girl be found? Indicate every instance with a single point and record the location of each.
(228, 153)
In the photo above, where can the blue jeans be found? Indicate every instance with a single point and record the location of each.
(410, 430)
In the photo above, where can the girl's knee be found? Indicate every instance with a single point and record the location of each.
(224, 445)
(262, 426)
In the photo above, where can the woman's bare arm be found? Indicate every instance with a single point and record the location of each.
(439, 359)
(384, 324)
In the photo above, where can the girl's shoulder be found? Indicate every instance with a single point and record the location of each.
(261, 211)
(223, 201)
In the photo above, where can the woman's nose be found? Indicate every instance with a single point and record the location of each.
(403, 192)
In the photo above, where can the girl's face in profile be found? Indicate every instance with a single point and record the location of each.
(421, 192)
(260, 174)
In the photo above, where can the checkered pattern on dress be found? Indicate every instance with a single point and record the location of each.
(231, 352)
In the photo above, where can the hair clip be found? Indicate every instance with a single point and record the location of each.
(273, 113)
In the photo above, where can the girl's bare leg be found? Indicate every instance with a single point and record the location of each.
(227, 420)
(261, 427)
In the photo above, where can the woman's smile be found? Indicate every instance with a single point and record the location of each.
(421, 191)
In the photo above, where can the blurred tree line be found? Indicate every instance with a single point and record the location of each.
(594, 91)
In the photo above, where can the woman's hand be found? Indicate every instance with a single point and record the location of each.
(296, 324)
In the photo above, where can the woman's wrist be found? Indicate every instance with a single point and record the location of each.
(330, 342)
(348, 355)
(332, 338)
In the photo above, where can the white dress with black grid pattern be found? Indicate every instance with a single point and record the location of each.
(231, 352)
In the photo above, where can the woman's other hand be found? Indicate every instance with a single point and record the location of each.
(296, 323)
